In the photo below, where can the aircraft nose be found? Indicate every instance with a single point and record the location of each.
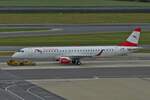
(15, 55)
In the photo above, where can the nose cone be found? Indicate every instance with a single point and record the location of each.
(16, 55)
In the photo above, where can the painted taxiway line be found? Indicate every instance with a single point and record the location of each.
(29, 91)
(63, 80)
(73, 67)
(11, 92)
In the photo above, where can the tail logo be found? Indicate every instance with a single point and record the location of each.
(134, 36)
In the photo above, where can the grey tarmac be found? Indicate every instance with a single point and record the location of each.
(81, 73)
(61, 29)
(14, 84)
(85, 9)
(15, 88)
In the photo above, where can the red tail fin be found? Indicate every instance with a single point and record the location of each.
(133, 39)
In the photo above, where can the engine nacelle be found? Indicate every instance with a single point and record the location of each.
(64, 60)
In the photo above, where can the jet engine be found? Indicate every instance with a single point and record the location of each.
(64, 60)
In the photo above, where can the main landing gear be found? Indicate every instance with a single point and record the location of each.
(76, 61)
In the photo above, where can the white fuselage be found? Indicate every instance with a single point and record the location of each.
(73, 51)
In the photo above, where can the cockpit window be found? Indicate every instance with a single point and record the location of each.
(20, 51)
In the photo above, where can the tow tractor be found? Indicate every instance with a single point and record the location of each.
(14, 62)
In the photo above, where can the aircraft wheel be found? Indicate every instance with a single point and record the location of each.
(73, 61)
(76, 62)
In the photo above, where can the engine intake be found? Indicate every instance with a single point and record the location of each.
(64, 60)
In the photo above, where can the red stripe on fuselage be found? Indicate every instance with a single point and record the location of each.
(128, 44)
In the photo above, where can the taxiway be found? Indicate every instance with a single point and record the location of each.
(113, 78)
(61, 29)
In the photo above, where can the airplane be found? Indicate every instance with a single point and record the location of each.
(73, 54)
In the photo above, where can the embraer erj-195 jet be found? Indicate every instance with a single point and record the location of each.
(73, 54)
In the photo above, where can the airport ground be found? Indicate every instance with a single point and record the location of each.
(74, 18)
(78, 3)
(69, 35)
(100, 78)
(102, 88)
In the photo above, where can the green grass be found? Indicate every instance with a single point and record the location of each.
(6, 53)
(71, 40)
(71, 3)
(20, 29)
(74, 18)
(143, 51)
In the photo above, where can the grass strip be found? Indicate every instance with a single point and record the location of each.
(6, 53)
(111, 38)
(73, 18)
(72, 3)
